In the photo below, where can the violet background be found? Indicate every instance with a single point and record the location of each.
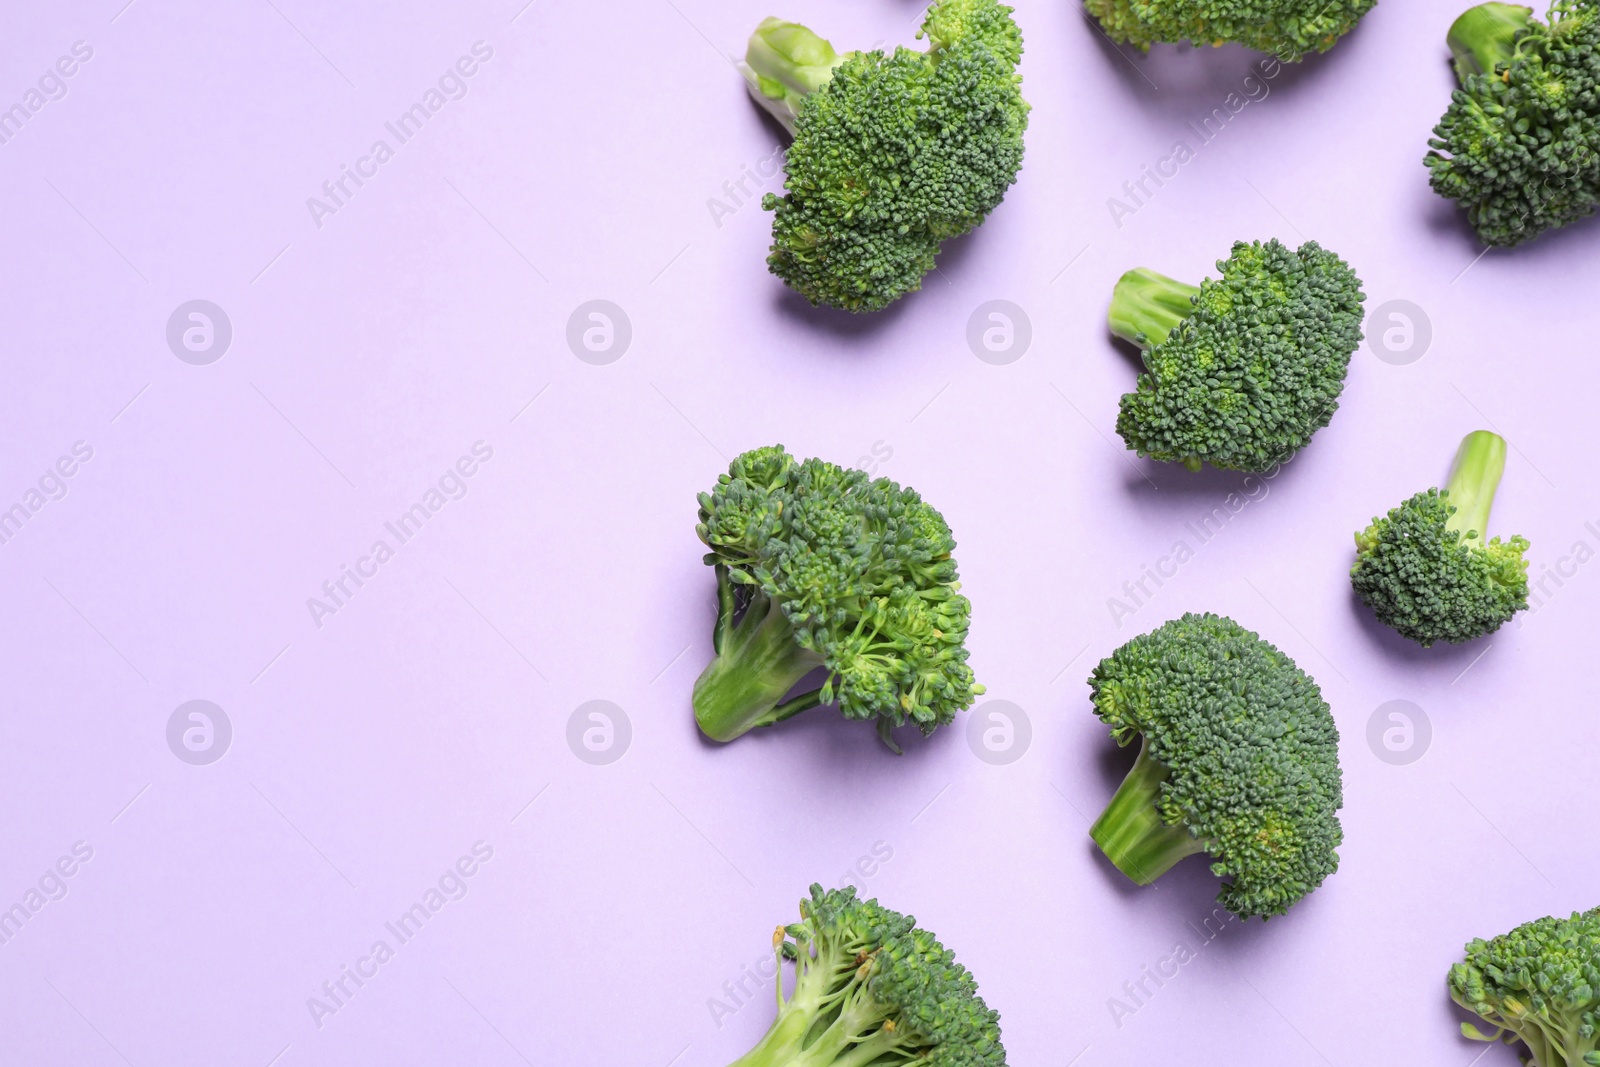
(431, 711)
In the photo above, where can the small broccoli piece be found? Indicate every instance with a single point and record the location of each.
(1425, 568)
(1241, 371)
(821, 566)
(1238, 757)
(1519, 146)
(1539, 984)
(893, 153)
(1287, 28)
(872, 989)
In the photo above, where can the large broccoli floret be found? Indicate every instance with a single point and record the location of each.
(1539, 984)
(872, 989)
(820, 566)
(892, 153)
(1241, 370)
(1427, 570)
(1519, 146)
(1238, 757)
(1287, 28)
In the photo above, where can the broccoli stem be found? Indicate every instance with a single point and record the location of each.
(757, 661)
(1146, 306)
(780, 1045)
(1480, 461)
(783, 63)
(1485, 36)
(1131, 831)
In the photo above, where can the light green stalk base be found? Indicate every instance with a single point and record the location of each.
(1485, 36)
(783, 62)
(757, 661)
(1130, 831)
(1480, 461)
(1146, 306)
(778, 1045)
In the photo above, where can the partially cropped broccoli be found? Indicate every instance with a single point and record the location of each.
(1519, 146)
(1287, 28)
(872, 989)
(821, 566)
(1540, 985)
(1241, 371)
(893, 153)
(1238, 757)
(1426, 568)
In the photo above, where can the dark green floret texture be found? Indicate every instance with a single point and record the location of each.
(1539, 986)
(1519, 146)
(821, 566)
(896, 153)
(1287, 28)
(1239, 758)
(1426, 570)
(873, 989)
(1241, 371)
(1432, 583)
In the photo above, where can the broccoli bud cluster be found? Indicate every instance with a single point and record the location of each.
(1287, 28)
(873, 987)
(1238, 758)
(893, 153)
(1243, 369)
(1427, 570)
(1519, 146)
(820, 565)
(1538, 984)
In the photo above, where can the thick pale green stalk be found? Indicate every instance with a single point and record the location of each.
(1480, 461)
(757, 662)
(778, 1045)
(1150, 304)
(1485, 36)
(1130, 831)
(783, 62)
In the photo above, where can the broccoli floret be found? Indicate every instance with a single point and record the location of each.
(872, 988)
(1426, 569)
(1241, 371)
(1287, 28)
(821, 566)
(1519, 146)
(893, 153)
(1539, 984)
(1238, 757)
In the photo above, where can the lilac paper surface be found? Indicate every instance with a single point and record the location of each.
(414, 733)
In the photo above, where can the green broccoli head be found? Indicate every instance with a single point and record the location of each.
(1426, 568)
(872, 987)
(1238, 757)
(1241, 370)
(893, 152)
(1519, 146)
(1539, 984)
(821, 566)
(1287, 28)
